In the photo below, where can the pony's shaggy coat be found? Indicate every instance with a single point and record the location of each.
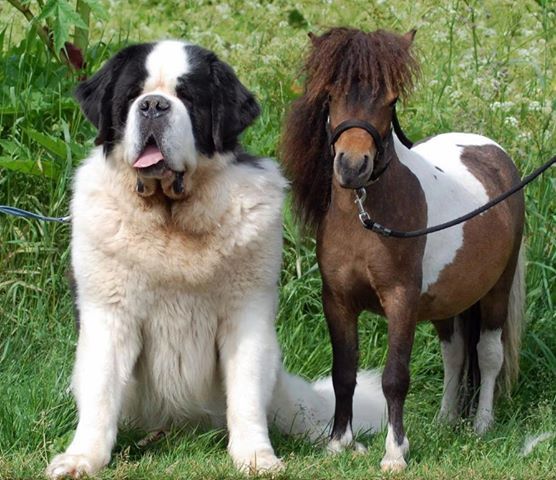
(467, 279)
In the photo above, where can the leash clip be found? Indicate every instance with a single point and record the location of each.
(360, 197)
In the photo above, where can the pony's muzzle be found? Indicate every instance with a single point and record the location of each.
(353, 170)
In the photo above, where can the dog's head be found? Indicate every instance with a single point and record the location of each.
(165, 105)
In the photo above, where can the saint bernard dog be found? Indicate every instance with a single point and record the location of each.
(176, 251)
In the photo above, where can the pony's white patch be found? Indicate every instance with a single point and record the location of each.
(533, 440)
(453, 357)
(165, 64)
(490, 352)
(450, 189)
(393, 459)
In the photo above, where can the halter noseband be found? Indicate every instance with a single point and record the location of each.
(333, 136)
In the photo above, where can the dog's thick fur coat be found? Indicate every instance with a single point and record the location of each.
(177, 298)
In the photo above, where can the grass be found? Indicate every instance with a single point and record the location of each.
(487, 68)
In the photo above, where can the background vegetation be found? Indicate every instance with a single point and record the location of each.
(488, 67)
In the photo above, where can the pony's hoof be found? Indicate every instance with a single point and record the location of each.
(393, 465)
(447, 417)
(337, 446)
(259, 462)
(482, 423)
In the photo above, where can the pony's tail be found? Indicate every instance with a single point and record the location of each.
(302, 408)
(513, 327)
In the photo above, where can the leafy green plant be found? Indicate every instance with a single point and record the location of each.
(54, 20)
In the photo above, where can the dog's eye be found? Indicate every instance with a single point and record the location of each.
(184, 95)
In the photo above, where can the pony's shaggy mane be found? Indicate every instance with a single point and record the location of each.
(338, 59)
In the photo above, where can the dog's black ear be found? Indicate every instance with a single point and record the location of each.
(95, 98)
(233, 108)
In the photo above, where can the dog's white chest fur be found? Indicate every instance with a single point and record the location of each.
(177, 370)
(173, 288)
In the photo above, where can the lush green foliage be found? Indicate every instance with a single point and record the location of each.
(54, 22)
(488, 67)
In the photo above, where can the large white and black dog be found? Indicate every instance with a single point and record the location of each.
(176, 251)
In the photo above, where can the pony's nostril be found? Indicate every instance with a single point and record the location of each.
(364, 164)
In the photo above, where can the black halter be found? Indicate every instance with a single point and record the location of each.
(380, 141)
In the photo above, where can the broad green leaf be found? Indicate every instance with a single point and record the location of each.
(47, 11)
(28, 166)
(10, 147)
(53, 145)
(97, 8)
(64, 19)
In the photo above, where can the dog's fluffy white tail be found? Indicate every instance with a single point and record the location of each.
(302, 408)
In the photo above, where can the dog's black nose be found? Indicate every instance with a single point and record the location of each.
(154, 106)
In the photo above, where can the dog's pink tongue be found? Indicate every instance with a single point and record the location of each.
(150, 156)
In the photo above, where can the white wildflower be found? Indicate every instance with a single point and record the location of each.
(511, 121)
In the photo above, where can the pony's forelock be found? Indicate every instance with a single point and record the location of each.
(340, 57)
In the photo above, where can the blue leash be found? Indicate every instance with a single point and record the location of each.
(18, 212)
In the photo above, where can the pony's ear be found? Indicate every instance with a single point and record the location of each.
(410, 36)
(233, 107)
(94, 97)
(314, 38)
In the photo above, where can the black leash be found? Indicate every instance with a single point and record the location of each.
(361, 193)
(369, 224)
(399, 132)
(18, 212)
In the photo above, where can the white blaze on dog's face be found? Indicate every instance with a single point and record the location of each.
(165, 105)
(160, 117)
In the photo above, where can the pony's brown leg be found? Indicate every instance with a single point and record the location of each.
(401, 310)
(453, 355)
(342, 326)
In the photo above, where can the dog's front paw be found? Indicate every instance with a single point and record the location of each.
(259, 461)
(68, 465)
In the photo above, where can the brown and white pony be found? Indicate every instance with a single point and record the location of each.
(467, 280)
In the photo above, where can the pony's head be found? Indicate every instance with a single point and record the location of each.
(353, 77)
